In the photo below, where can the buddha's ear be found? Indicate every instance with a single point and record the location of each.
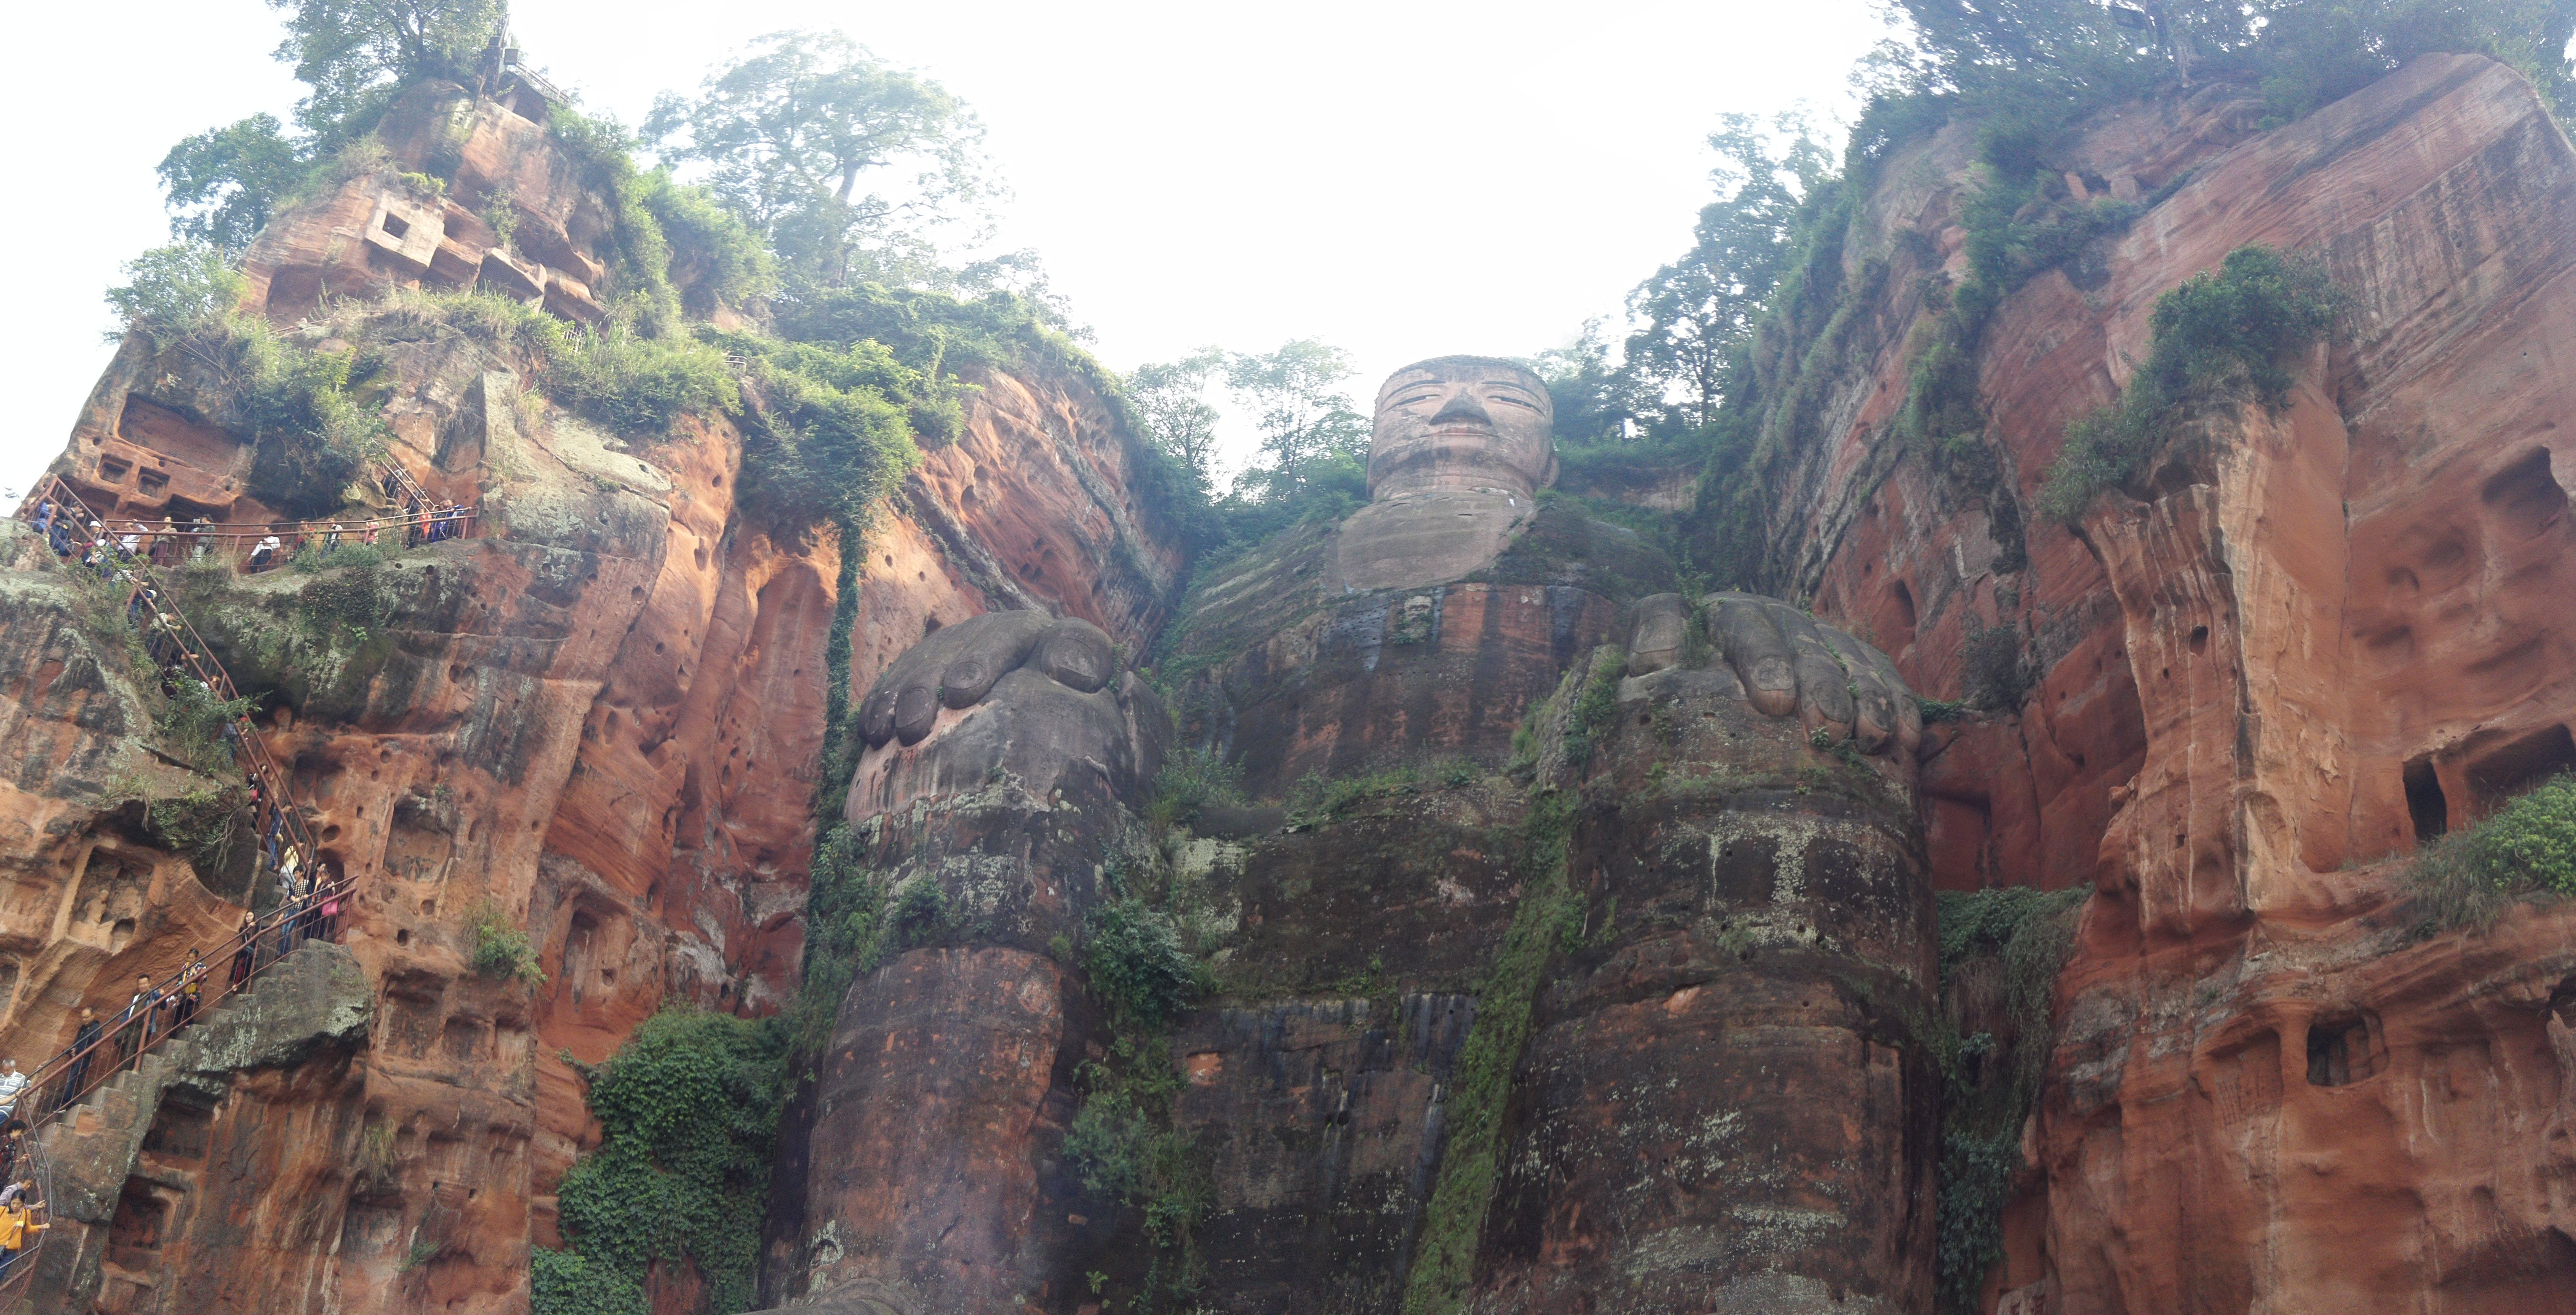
(1547, 477)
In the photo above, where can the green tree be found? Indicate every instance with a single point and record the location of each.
(355, 54)
(223, 183)
(1699, 310)
(792, 129)
(1596, 399)
(2316, 51)
(174, 291)
(1308, 422)
(1171, 399)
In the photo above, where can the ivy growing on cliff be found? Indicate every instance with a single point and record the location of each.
(2000, 952)
(1548, 919)
(688, 1111)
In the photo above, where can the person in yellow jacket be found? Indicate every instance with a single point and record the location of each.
(17, 1230)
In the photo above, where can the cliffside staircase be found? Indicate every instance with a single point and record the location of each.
(98, 1099)
(121, 1103)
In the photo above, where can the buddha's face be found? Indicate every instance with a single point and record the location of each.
(1462, 423)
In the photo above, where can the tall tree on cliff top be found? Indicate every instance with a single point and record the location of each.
(1311, 430)
(1171, 399)
(794, 127)
(355, 54)
(223, 183)
(1699, 310)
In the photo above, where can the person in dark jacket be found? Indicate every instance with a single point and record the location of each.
(77, 1075)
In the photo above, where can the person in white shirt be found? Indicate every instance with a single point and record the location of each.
(12, 1082)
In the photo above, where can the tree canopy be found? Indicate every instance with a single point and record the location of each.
(355, 54)
(1700, 310)
(792, 129)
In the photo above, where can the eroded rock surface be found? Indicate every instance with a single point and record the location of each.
(600, 719)
(2299, 645)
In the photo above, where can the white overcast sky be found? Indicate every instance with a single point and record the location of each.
(1399, 179)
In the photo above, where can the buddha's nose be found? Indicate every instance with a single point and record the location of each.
(1462, 409)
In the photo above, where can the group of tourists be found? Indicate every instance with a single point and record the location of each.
(308, 909)
(21, 1201)
(105, 548)
(307, 894)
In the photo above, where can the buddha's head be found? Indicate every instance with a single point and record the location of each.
(1462, 422)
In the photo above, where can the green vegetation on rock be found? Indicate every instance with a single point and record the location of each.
(501, 947)
(1443, 1269)
(2524, 850)
(2221, 336)
(2000, 952)
(688, 1111)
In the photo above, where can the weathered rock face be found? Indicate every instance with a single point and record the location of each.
(1726, 1103)
(192, 1181)
(1001, 753)
(1573, 951)
(2301, 643)
(1737, 902)
(599, 719)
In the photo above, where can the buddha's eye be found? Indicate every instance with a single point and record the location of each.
(1509, 400)
(1417, 398)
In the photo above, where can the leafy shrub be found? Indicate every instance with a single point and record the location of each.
(834, 432)
(845, 926)
(567, 1283)
(2221, 334)
(639, 385)
(2015, 939)
(475, 313)
(1137, 964)
(1190, 780)
(920, 911)
(315, 557)
(193, 723)
(718, 259)
(1317, 798)
(688, 1111)
(1121, 1144)
(310, 437)
(2526, 848)
(1106, 1143)
(175, 291)
(501, 948)
(206, 826)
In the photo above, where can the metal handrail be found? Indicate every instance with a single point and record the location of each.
(66, 1079)
(33, 1164)
(392, 476)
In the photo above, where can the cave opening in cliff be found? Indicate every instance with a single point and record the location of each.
(2342, 1050)
(2424, 802)
(181, 1130)
(134, 1232)
(2499, 774)
(2525, 495)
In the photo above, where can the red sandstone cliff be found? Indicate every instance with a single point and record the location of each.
(2302, 644)
(602, 717)
(2307, 641)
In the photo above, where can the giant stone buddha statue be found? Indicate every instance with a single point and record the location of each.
(1470, 730)
(1458, 450)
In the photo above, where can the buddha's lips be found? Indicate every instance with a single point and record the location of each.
(1464, 431)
